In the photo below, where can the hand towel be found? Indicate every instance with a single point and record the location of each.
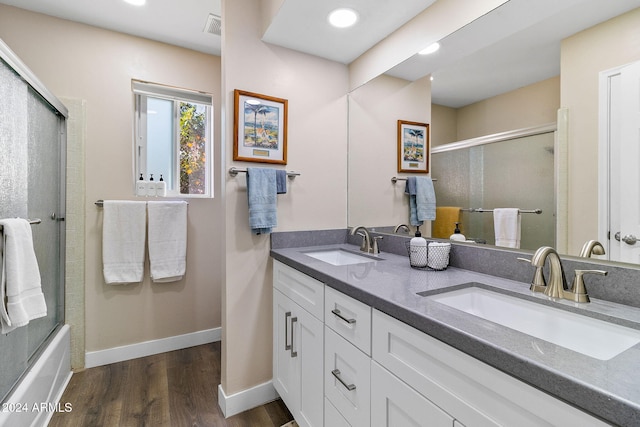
(123, 236)
(445, 222)
(22, 299)
(281, 181)
(422, 200)
(506, 224)
(167, 240)
(261, 191)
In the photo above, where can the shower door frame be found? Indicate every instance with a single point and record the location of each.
(61, 111)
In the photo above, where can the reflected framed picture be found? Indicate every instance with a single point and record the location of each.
(413, 147)
(259, 128)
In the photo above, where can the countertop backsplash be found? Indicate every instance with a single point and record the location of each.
(620, 285)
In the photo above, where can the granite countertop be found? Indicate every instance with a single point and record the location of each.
(609, 389)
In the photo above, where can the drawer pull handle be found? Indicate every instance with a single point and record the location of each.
(336, 312)
(287, 346)
(336, 373)
(293, 353)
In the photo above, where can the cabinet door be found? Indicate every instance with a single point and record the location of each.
(297, 360)
(347, 379)
(307, 348)
(395, 404)
(285, 372)
(333, 418)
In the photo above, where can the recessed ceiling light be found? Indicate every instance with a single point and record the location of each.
(343, 18)
(136, 2)
(430, 49)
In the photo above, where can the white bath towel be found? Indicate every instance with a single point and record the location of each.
(167, 240)
(506, 224)
(123, 236)
(20, 283)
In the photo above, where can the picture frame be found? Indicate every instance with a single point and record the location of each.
(413, 147)
(259, 128)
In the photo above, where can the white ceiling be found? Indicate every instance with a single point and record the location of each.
(176, 22)
(513, 46)
(303, 26)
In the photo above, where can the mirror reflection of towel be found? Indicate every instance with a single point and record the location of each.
(422, 199)
(445, 223)
(506, 224)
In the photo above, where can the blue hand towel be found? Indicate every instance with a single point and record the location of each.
(262, 190)
(281, 181)
(422, 200)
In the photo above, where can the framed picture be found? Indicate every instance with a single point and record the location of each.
(413, 147)
(259, 128)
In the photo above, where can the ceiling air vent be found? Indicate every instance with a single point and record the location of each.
(213, 25)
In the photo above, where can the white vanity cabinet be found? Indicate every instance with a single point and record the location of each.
(339, 363)
(347, 357)
(298, 343)
(472, 392)
(394, 403)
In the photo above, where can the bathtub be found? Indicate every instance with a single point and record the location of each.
(37, 396)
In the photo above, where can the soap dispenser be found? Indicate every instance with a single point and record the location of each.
(141, 187)
(151, 187)
(457, 235)
(418, 250)
(161, 188)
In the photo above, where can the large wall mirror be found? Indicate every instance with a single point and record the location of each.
(482, 83)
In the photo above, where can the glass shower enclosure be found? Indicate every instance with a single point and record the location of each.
(32, 144)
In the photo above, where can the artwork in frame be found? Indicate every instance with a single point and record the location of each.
(259, 128)
(413, 147)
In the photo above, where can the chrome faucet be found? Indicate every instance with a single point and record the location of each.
(405, 227)
(369, 244)
(592, 247)
(557, 286)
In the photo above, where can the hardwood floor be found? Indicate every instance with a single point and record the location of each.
(174, 389)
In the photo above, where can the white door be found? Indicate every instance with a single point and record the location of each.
(622, 113)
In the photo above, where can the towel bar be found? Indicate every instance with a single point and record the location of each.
(535, 211)
(31, 221)
(100, 203)
(396, 179)
(235, 171)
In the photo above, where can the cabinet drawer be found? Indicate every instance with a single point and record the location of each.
(473, 392)
(347, 379)
(350, 318)
(333, 418)
(305, 291)
(395, 404)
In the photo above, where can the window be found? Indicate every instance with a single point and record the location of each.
(173, 134)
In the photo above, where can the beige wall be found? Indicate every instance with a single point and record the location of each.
(583, 57)
(317, 148)
(444, 125)
(533, 105)
(374, 110)
(81, 62)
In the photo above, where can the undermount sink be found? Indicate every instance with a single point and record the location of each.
(592, 337)
(339, 257)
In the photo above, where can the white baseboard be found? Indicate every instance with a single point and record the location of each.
(148, 348)
(246, 399)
